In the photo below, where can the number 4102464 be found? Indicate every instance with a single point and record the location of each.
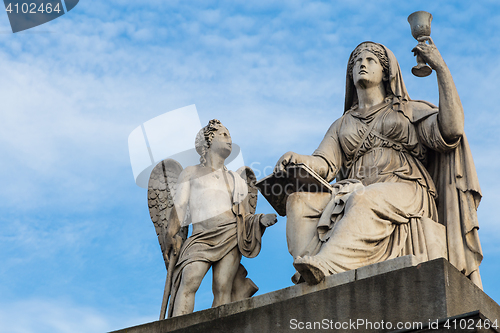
(33, 8)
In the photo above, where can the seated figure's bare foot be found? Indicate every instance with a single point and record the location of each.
(309, 269)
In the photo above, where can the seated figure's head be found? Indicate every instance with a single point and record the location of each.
(357, 62)
(213, 138)
(374, 48)
(390, 76)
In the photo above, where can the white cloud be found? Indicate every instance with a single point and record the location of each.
(60, 316)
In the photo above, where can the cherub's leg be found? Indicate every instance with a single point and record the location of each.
(224, 273)
(192, 275)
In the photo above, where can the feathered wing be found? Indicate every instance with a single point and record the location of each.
(250, 201)
(161, 191)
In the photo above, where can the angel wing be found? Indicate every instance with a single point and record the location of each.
(249, 176)
(161, 191)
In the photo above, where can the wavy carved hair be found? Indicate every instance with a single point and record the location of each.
(204, 139)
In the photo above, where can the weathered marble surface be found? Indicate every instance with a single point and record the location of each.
(220, 205)
(412, 292)
(406, 182)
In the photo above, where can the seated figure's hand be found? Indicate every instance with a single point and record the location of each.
(287, 159)
(268, 220)
(347, 186)
(429, 52)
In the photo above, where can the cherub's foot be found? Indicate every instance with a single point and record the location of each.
(309, 269)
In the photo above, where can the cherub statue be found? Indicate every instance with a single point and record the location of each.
(220, 204)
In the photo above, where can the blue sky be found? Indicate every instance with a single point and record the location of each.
(78, 252)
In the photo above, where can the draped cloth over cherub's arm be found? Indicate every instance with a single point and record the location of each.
(249, 229)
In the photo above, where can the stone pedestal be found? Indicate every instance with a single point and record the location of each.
(399, 295)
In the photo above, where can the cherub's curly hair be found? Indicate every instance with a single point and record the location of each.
(374, 48)
(204, 139)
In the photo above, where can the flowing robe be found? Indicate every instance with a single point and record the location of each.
(394, 213)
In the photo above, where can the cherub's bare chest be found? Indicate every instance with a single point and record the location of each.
(213, 184)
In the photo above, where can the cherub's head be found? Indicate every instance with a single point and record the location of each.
(213, 138)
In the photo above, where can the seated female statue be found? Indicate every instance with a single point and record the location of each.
(406, 182)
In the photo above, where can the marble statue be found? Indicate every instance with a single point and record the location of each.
(220, 205)
(406, 181)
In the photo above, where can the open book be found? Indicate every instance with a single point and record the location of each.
(297, 178)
